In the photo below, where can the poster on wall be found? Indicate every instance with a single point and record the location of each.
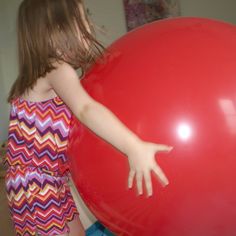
(140, 12)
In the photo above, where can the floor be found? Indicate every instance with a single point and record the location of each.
(6, 227)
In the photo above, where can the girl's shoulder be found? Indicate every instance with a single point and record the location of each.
(62, 69)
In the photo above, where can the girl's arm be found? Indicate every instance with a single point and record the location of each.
(104, 123)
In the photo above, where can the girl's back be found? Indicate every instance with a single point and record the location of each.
(38, 132)
(36, 178)
(41, 91)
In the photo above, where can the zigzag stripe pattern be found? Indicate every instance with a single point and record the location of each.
(39, 197)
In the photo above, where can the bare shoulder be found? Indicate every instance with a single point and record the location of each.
(62, 71)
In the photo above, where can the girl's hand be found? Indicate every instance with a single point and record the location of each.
(142, 162)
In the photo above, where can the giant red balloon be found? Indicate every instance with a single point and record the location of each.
(173, 82)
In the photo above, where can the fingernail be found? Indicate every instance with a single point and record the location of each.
(165, 183)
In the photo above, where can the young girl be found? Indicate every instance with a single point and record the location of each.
(55, 38)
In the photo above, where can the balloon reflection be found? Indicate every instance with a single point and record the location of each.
(184, 131)
(228, 108)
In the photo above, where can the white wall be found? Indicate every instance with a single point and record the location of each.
(109, 16)
(8, 58)
(219, 9)
(3, 106)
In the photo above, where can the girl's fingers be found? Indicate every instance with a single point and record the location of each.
(160, 174)
(148, 183)
(163, 148)
(139, 178)
(131, 178)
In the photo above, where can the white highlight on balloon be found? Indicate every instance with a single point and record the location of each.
(184, 131)
(229, 110)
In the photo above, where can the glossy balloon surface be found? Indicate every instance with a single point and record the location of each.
(172, 82)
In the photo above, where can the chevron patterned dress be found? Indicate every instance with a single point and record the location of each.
(39, 197)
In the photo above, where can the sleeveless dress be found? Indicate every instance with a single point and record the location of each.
(37, 188)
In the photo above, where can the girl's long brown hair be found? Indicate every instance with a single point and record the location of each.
(49, 31)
